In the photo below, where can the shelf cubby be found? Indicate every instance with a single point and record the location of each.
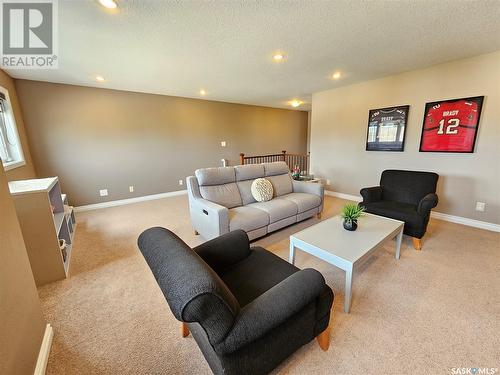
(45, 218)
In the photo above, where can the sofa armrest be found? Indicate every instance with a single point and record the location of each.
(308, 188)
(371, 194)
(273, 308)
(427, 203)
(208, 218)
(224, 251)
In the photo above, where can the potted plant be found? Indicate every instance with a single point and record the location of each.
(296, 173)
(351, 213)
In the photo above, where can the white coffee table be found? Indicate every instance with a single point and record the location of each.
(329, 241)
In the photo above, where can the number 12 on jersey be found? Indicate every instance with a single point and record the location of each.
(451, 127)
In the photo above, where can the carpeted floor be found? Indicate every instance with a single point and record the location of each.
(426, 313)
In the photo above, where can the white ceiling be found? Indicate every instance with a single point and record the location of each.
(226, 47)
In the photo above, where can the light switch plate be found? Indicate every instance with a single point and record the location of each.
(131, 188)
(223, 143)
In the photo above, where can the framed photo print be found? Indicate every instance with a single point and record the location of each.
(386, 129)
(451, 125)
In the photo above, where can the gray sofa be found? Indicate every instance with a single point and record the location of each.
(220, 200)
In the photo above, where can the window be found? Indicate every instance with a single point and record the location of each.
(10, 147)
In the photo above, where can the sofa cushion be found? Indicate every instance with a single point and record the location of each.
(215, 176)
(277, 209)
(282, 184)
(247, 218)
(275, 168)
(249, 171)
(245, 188)
(262, 190)
(226, 195)
(245, 174)
(303, 201)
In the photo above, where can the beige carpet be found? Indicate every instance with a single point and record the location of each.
(426, 313)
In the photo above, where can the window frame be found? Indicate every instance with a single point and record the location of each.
(10, 120)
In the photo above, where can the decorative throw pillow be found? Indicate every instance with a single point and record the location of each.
(262, 190)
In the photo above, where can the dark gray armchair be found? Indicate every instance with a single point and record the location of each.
(408, 196)
(247, 308)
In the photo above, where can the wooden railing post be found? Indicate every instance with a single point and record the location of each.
(284, 155)
(242, 158)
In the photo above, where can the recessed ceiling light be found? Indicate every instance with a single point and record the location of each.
(279, 57)
(100, 79)
(295, 103)
(336, 75)
(203, 92)
(110, 4)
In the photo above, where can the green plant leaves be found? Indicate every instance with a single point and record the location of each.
(351, 212)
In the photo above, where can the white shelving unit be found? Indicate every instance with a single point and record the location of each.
(45, 218)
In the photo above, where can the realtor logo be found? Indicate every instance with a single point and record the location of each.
(29, 34)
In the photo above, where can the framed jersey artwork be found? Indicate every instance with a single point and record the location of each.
(451, 125)
(386, 128)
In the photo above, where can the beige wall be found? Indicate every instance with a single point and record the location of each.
(27, 170)
(98, 138)
(21, 323)
(339, 125)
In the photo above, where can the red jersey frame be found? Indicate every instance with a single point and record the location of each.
(451, 125)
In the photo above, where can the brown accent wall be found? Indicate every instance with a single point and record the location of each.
(26, 171)
(98, 138)
(21, 323)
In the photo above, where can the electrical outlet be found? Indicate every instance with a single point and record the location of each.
(131, 188)
(223, 143)
(181, 182)
(103, 192)
(480, 206)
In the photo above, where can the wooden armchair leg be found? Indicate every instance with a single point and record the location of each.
(324, 339)
(184, 330)
(417, 243)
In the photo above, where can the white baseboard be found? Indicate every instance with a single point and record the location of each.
(122, 202)
(43, 355)
(436, 215)
(466, 221)
(348, 197)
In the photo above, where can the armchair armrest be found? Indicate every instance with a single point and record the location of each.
(371, 194)
(224, 251)
(427, 203)
(273, 308)
(309, 188)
